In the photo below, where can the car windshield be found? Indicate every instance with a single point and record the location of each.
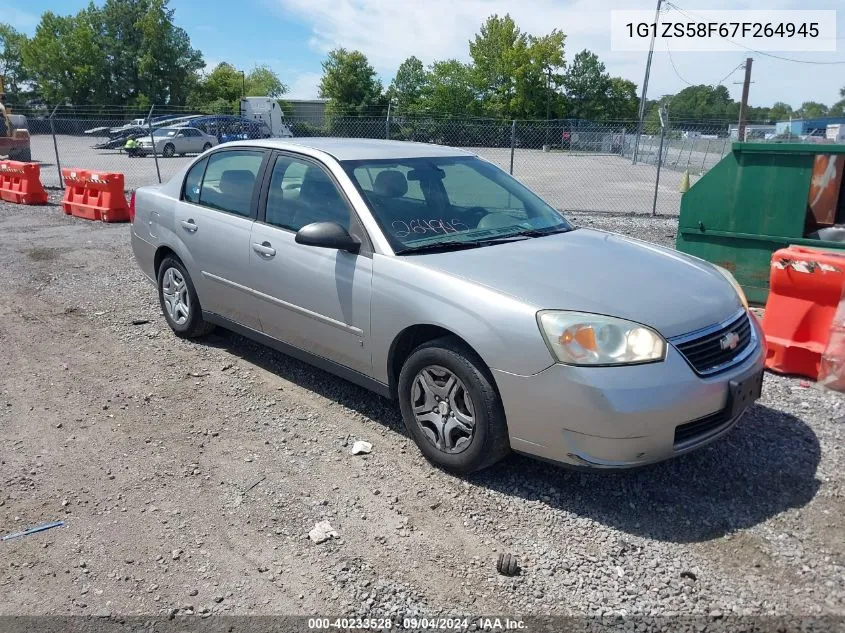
(164, 133)
(451, 202)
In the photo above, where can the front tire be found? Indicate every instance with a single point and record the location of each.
(179, 302)
(451, 407)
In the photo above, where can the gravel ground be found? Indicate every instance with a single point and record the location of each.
(188, 475)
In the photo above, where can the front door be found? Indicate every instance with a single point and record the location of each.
(316, 299)
(214, 221)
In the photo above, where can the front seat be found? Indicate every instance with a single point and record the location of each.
(236, 190)
(319, 201)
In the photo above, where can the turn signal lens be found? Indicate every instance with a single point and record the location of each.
(580, 338)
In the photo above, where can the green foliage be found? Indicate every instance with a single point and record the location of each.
(587, 85)
(65, 59)
(450, 89)
(511, 68)
(350, 84)
(622, 100)
(261, 81)
(407, 87)
(12, 69)
(812, 110)
(128, 52)
(780, 111)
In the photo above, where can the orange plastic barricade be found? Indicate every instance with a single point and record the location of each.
(105, 194)
(74, 180)
(95, 195)
(805, 288)
(21, 183)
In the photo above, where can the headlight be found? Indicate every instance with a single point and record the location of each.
(739, 291)
(580, 338)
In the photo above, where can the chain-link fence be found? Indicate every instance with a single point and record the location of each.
(575, 165)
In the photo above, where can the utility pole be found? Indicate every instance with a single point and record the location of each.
(548, 104)
(645, 84)
(743, 106)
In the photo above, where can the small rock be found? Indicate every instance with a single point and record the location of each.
(175, 554)
(361, 447)
(322, 531)
(193, 592)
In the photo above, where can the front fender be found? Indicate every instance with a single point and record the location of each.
(501, 329)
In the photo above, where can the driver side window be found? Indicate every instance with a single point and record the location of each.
(302, 192)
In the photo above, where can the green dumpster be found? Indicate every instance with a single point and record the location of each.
(760, 198)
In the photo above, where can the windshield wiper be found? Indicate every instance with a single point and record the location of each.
(541, 232)
(454, 246)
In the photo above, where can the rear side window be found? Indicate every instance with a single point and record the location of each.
(229, 181)
(193, 182)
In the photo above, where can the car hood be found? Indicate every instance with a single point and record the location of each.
(604, 273)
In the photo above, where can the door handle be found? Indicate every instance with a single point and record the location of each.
(265, 249)
(189, 226)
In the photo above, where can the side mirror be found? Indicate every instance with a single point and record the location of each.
(328, 235)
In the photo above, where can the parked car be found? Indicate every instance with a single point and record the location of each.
(170, 141)
(431, 276)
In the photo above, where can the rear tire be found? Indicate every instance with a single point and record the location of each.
(206, 147)
(451, 407)
(179, 302)
(168, 151)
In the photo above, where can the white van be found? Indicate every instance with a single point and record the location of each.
(269, 113)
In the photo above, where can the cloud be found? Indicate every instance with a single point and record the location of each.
(389, 31)
(303, 86)
(18, 19)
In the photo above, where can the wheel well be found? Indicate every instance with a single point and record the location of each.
(410, 339)
(161, 253)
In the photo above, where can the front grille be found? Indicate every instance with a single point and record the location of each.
(701, 427)
(706, 353)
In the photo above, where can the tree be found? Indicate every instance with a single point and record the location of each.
(622, 100)
(12, 69)
(812, 110)
(587, 85)
(129, 52)
(450, 89)
(167, 63)
(261, 81)
(407, 87)
(65, 59)
(780, 111)
(349, 83)
(704, 103)
(838, 108)
(498, 51)
(219, 92)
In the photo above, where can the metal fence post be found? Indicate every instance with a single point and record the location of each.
(153, 142)
(513, 143)
(704, 160)
(659, 163)
(56, 147)
(387, 122)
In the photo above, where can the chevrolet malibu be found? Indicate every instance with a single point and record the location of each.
(431, 276)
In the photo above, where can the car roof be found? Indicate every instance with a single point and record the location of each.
(359, 148)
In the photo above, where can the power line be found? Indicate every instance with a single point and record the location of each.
(754, 50)
(675, 68)
(738, 66)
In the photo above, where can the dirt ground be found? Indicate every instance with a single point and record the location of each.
(188, 475)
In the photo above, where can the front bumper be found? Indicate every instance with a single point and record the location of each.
(620, 417)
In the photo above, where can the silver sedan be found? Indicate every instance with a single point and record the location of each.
(170, 141)
(429, 275)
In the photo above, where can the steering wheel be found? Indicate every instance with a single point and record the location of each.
(475, 215)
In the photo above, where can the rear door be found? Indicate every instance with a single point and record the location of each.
(316, 299)
(214, 221)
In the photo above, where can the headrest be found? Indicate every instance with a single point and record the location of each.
(390, 184)
(236, 179)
